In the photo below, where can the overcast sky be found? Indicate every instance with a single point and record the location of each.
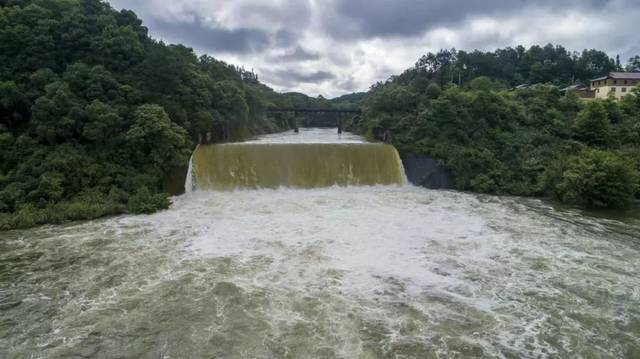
(332, 47)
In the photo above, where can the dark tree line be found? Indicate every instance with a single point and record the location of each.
(514, 66)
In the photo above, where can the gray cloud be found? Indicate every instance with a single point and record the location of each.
(332, 47)
(297, 54)
(366, 18)
(212, 38)
(347, 84)
(314, 77)
(286, 38)
(296, 14)
(282, 77)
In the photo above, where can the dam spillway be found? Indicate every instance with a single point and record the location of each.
(253, 166)
(287, 163)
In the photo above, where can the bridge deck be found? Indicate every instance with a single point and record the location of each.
(313, 110)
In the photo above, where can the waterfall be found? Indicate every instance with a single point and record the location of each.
(188, 182)
(297, 165)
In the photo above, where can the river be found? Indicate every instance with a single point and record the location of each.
(390, 271)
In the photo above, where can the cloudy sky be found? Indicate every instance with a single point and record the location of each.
(332, 47)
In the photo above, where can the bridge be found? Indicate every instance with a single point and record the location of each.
(313, 110)
(296, 110)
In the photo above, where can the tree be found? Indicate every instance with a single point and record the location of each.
(598, 179)
(433, 91)
(120, 47)
(592, 63)
(634, 64)
(482, 83)
(155, 140)
(592, 125)
(13, 103)
(57, 114)
(102, 124)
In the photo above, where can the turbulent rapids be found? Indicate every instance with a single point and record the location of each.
(385, 271)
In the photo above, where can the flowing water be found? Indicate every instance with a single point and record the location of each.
(340, 272)
(305, 160)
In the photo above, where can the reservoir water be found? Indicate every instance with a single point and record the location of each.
(347, 271)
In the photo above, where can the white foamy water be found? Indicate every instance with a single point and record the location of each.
(355, 272)
(188, 182)
(309, 135)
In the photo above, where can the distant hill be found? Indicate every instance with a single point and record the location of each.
(350, 99)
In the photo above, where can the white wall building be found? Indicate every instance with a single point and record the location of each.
(615, 84)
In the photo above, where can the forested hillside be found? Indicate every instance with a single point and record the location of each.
(93, 112)
(532, 141)
(515, 66)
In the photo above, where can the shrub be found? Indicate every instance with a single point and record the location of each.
(144, 201)
(592, 125)
(433, 91)
(89, 205)
(597, 179)
(483, 83)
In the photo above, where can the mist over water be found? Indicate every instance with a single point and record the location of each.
(339, 272)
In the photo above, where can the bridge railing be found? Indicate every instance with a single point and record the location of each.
(313, 110)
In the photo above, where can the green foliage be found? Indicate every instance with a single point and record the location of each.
(529, 141)
(94, 112)
(120, 46)
(634, 64)
(155, 139)
(482, 83)
(83, 207)
(143, 201)
(101, 124)
(592, 125)
(597, 179)
(433, 91)
(12, 102)
(509, 66)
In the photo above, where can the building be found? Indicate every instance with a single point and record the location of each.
(580, 90)
(615, 84)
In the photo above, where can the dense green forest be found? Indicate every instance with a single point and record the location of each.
(515, 66)
(94, 112)
(462, 109)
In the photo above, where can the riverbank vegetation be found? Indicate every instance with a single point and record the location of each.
(93, 111)
(465, 110)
